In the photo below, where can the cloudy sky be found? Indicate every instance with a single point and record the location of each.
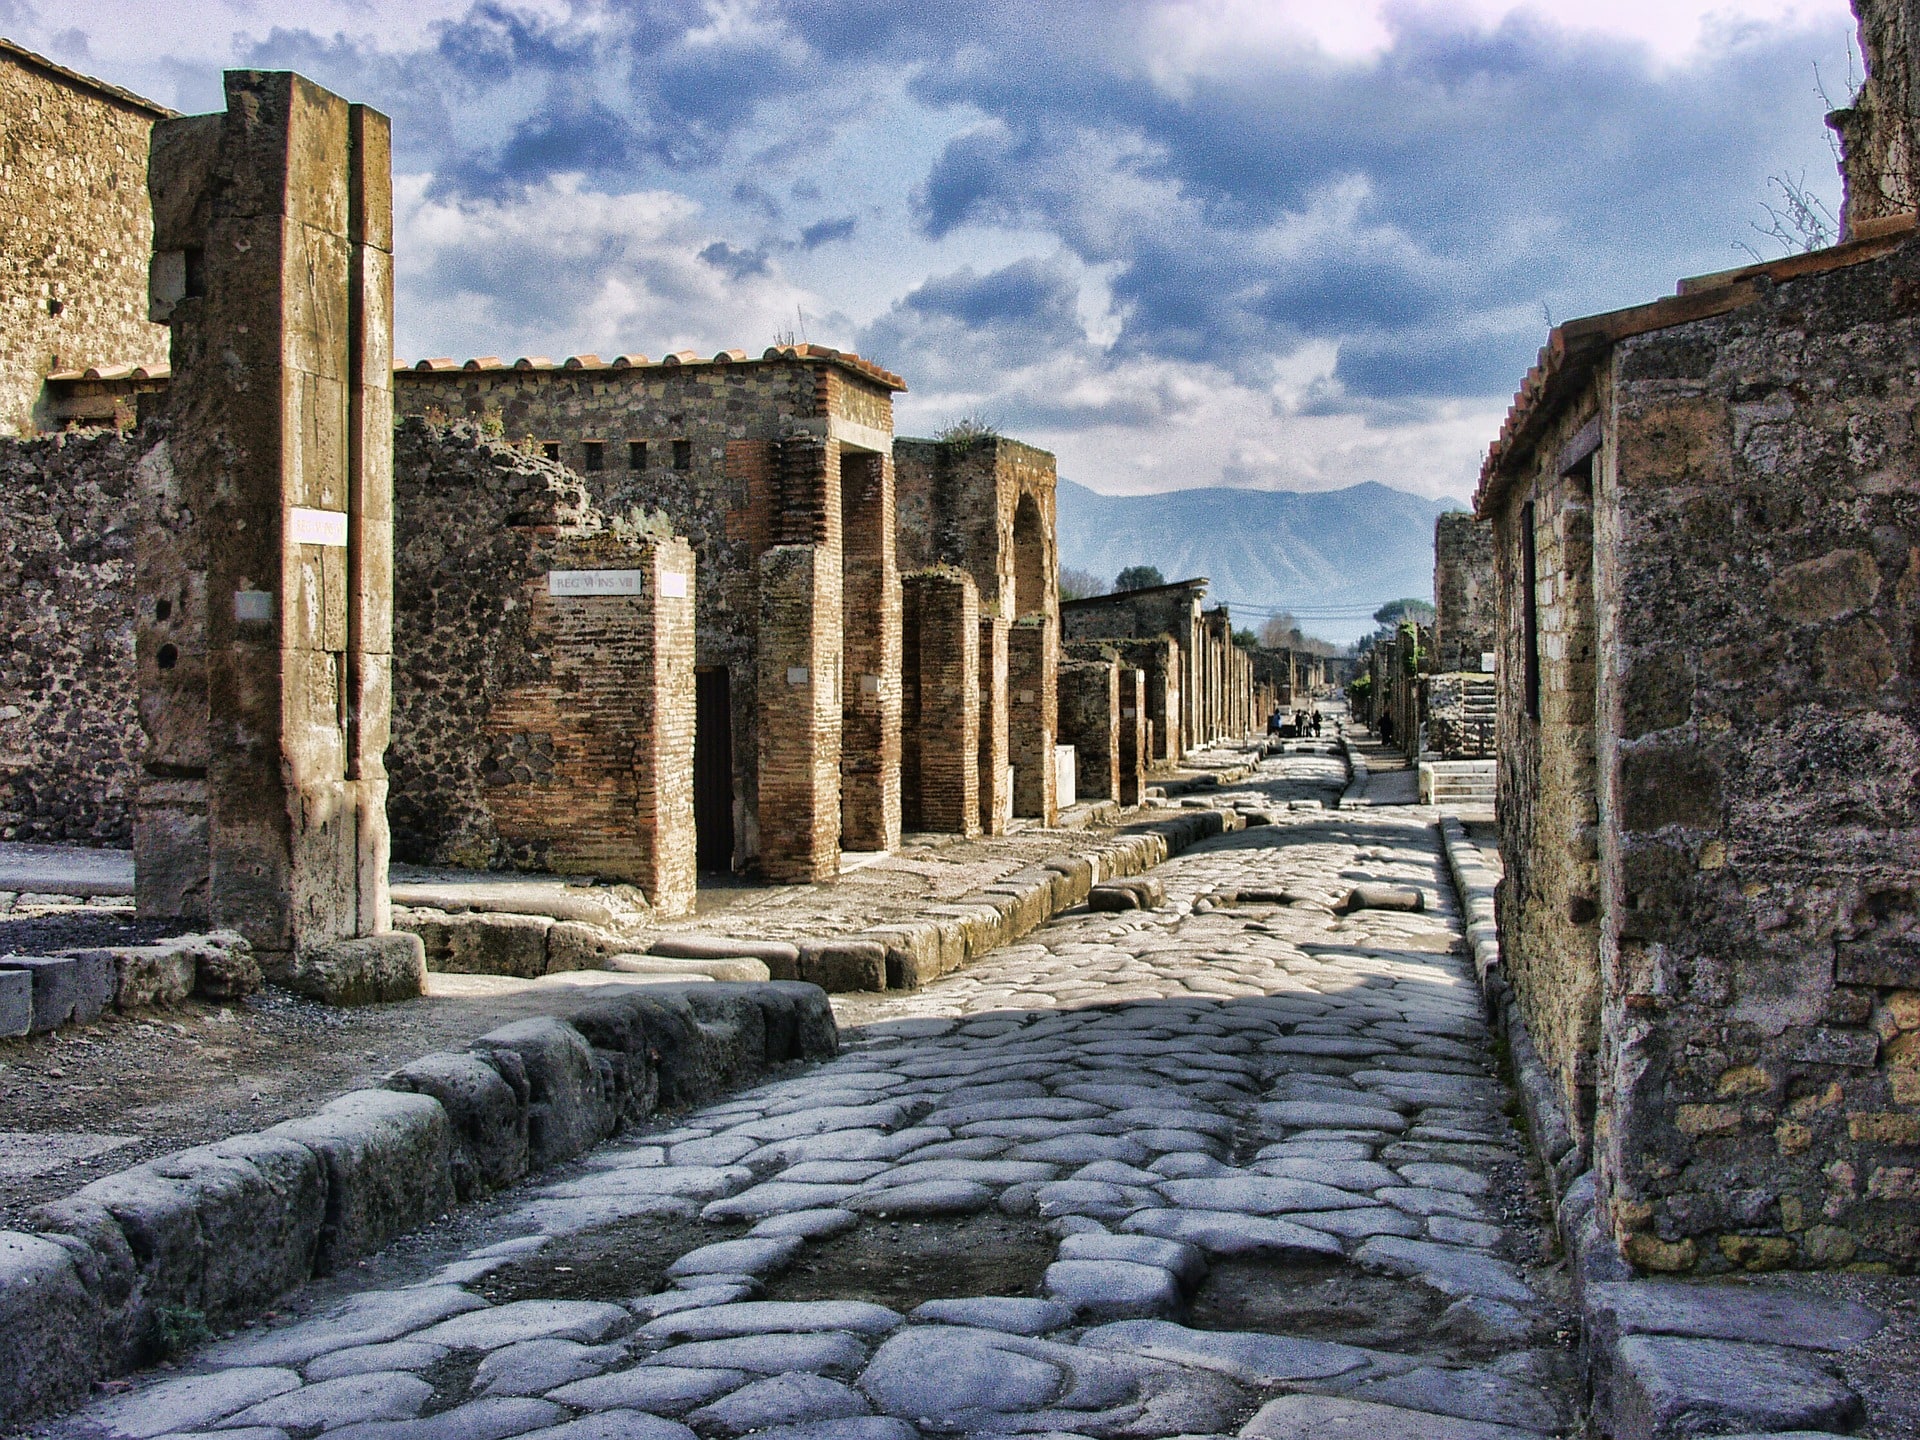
(1289, 244)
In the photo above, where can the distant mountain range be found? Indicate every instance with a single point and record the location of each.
(1331, 556)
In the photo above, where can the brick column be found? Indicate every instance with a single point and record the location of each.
(870, 600)
(942, 616)
(1032, 679)
(1132, 758)
(996, 798)
(799, 714)
(273, 497)
(1090, 722)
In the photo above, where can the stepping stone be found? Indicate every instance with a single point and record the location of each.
(770, 1317)
(1219, 1232)
(1113, 1289)
(1248, 1357)
(782, 1400)
(751, 1256)
(377, 1395)
(1011, 1315)
(663, 1389)
(1328, 1417)
(526, 1320)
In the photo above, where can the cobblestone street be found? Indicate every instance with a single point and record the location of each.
(1238, 1164)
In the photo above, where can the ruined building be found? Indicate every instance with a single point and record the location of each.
(1458, 700)
(1706, 518)
(779, 471)
(981, 511)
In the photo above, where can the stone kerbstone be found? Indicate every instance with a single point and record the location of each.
(1727, 1312)
(68, 989)
(223, 965)
(617, 1031)
(1667, 1386)
(52, 1328)
(842, 966)
(488, 1122)
(1317, 1417)
(388, 1167)
(146, 975)
(781, 958)
(481, 944)
(16, 1003)
(373, 970)
(568, 1107)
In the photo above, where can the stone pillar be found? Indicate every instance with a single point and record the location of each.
(799, 701)
(1133, 731)
(870, 601)
(942, 624)
(1033, 649)
(996, 795)
(1090, 722)
(273, 491)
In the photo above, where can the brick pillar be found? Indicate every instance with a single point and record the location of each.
(1090, 722)
(943, 616)
(870, 600)
(1132, 758)
(799, 719)
(272, 505)
(1032, 680)
(996, 797)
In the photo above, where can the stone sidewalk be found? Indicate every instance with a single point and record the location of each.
(1238, 1164)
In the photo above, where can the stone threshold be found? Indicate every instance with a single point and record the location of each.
(1663, 1359)
(211, 1236)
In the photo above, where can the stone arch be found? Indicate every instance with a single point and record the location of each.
(1032, 560)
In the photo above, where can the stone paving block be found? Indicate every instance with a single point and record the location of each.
(619, 1425)
(1248, 1357)
(191, 1403)
(67, 989)
(1667, 1386)
(376, 1395)
(867, 1427)
(1466, 1394)
(1186, 1263)
(1011, 1315)
(774, 1317)
(781, 1400)
(359, 1359)
(490, 1418)
(663, 1389)
(1113, 1289)
(818, 1352)
(489, 1329)
(1757, 1313)
(1447, 1268)
(533, 1367)
(761, 1256)
(1229, 1233)
(1326, 1417)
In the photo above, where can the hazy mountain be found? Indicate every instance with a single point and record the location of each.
(1332, 556)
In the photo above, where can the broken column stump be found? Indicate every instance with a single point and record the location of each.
(265, 563)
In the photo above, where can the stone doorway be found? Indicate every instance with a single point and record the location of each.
(713, 768)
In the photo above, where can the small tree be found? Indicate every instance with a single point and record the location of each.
(1411, 608)
(1080, 584)
(1139, 577)
(1246, 639)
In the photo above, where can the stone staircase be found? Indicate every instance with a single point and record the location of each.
(1459, 784)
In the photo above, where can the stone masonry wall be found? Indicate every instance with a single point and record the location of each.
(1548, 898)
(76, 234)
(940, 718)
(1463, 587)
(533, 732)
(1759, 743)
(70, 739)
(1033, 651)
(1170, 610)
(1877, 129)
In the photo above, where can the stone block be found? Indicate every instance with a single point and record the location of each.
(914, 954)
(684, 1063)
(223, 966)
(841, 966)
(614, 1028)
(782, 959)
(1727, 1312)
(68, 989)
(481, 943)
(374, 970)
(16, 1002)
(388, 1165)
(487, 1122)
(569, 1108)
(1663, 1387)
(733, 1028)
(1076, 878)
(52, 1328)
(572, 945)
(816, 1034)
(147, 975)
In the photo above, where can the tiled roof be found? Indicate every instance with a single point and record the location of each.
(846, 359)
(1573, 350)
(114, 372)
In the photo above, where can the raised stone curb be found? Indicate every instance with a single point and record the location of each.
(75, 987)
(215, 1233)
(1356, 791)
(1664, 1359)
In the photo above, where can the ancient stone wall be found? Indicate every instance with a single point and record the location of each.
(1090, 721)
(940, 713)
(1135, 735)
(1158, 660)
(1548, 897)
(70, 739)
(1876, 130)
(77, 231)
(1033, 661)
(1170, 610)
(534, 730)
(1759, 740)
(1462, 709)
(1463, 586)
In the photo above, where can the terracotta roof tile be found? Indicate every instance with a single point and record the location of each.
(846, 359)
(583, 362)
(534, 362)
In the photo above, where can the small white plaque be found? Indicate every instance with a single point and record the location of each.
(1026, 697)
(869, 684)
(1486, 661)
(798, 675)
(252, 605)
(673, 585)
(1126, 714)
(577, 584)
(319, 527)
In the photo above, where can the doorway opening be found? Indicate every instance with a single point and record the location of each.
(713, 768)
